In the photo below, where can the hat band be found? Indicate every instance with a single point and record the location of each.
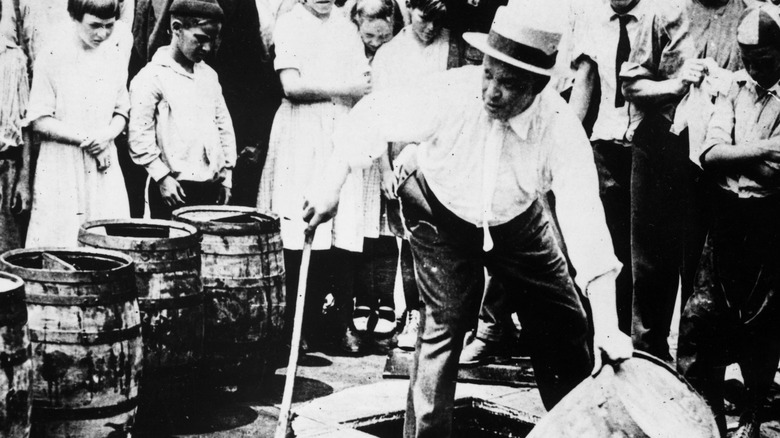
(521, 52)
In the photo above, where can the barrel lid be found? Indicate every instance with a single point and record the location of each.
(139, 234)
(641, 397)
(228, 219)
(67, 265)
(9, 282)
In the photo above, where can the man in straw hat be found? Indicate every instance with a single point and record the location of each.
(734, 313)
(492, 139)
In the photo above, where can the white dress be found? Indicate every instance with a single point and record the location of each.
(83, 89)
(300, 142)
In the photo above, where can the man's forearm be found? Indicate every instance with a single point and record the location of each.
(601, 293)
(585, 81)
(650, 92)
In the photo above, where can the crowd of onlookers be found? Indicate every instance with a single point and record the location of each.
(115, 108)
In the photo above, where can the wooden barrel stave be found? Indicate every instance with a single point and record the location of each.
(243, 280)
(86, 342)
(15, 360)
(167, 276)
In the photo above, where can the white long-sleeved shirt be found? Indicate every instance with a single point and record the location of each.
(179, 122)
(545, 149)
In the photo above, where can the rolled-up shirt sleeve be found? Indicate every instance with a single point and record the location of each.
(578, 206)
(142, 137)
(645, 58)
(720, 126)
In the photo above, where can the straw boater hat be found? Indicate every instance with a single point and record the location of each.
(524, 34)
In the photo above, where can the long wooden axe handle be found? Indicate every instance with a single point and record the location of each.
(292, 365)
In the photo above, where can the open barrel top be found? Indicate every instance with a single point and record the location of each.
(228, 219)
(9, 282)
(139, 234)
(88, 266)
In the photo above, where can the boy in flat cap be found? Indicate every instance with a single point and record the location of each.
(734, 314)
(180, 129)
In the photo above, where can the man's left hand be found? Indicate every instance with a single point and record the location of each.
(615, 347)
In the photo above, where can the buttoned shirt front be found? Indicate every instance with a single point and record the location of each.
(597, 30)
(546, 148)
(747, 113)
(179, 122)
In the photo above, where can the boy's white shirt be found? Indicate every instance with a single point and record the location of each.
(179, 122)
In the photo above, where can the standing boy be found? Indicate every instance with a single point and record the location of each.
(734, 314)
(180, 129)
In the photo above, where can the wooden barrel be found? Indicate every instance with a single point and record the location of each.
(15, 361)
(170, 296)
(642, 397)
(85, 331)
(243, 280)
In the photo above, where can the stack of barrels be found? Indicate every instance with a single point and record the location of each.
(146, 312)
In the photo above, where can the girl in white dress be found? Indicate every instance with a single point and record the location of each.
(79, 104)
(323, 71)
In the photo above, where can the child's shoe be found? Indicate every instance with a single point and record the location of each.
(385, 323)
(361, 317)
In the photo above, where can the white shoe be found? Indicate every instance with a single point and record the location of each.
(360, 318)
(385, 321)
(407, 339)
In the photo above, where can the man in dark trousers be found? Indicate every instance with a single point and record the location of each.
(604, 34)
(672, 52)
(493, 139)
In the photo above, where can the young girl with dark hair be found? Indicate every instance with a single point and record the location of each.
(79, 104)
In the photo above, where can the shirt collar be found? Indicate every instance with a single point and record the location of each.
(163, 58)
(637, 12)
(744, 80)
(523, 123)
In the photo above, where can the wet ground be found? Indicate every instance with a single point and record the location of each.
(254, 411)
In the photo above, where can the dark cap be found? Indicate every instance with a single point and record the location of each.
(197, 8)
(759, 26)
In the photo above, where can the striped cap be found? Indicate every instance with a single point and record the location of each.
(759, 26)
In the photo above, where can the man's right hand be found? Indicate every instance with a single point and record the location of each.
(170, 190)
(320, 209)
(692, 71)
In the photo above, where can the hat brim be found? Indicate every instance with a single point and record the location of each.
(479, 41)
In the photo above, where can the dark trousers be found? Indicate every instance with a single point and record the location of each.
(734, 313)
(411, 293)
(450, 267)
(668, 227)
(376, 270)
(613, 162)
(197, 193)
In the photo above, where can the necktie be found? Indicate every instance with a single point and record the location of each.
(623, 50)
(494, 143)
